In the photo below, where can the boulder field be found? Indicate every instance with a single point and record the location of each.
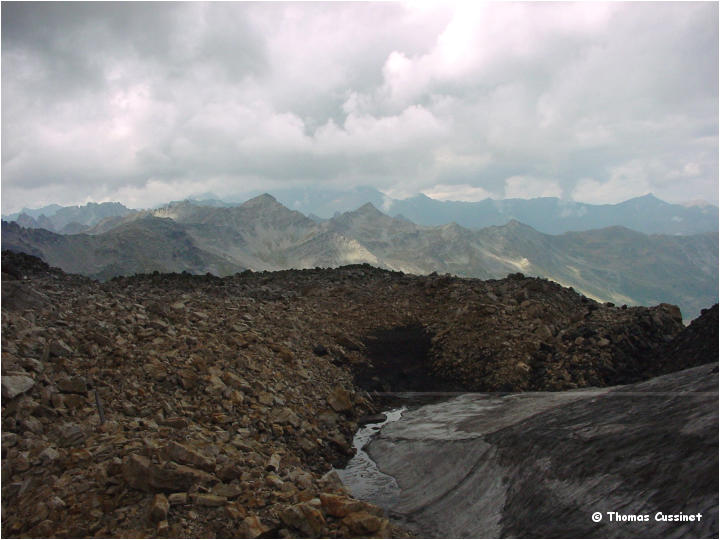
(194, 406)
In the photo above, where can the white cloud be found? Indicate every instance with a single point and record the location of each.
(362, 133)
(527, 187)
(691, 169)
(458, 192)
(626, 181)
(467, 99)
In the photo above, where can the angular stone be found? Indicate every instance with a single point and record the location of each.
(21, 463)
(9, 439)
(340, 506)
(74, 401)
(156, 370)
(159, 508)
(57, 400)
(216, 385)
(49, 455)
(33, 425)
(235, 381)
(346, 341)
(543, 332)
(340, 441)
(285, 416)
(302, 479)
(339, 399)
(305, 518)
(363, 523)
(274, 481)
(72, 385)
(206, 499)
(284, 353)
(178, 498)
(230, 472)
(14, 385)
(188, 378)
(328, 417)
(237, 397)
(235, 511)
(332, 482)
(172, 475)
(177, 422)
(251, 527)
(59, 348)
(71, 435)
(182, 454)
(140, 473)
(307, 445)
(229, 491)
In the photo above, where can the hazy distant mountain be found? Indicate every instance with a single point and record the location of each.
(325, 203)
(646, 214)
(611, 264)
(34, 212)
(68, 219)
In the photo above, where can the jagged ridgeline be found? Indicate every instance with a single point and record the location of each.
(181, 405)
(614, 264)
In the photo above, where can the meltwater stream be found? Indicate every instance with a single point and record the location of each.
(361, 475)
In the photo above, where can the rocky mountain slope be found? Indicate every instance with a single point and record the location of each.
(141, 245)
(225, 401)
(613, 264)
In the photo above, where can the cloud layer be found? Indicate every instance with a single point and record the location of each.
(144, 103)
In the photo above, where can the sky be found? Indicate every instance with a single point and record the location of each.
(144, 103)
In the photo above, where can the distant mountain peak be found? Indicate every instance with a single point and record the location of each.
(648, 197)
(261, 200)
(515, 224)
(368, 209)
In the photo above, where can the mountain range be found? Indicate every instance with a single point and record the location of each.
(549, 215)
(614, 264)
(68, 219)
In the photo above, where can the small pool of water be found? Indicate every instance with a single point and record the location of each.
(361, 475)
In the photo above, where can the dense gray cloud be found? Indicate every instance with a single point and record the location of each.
(148, 102)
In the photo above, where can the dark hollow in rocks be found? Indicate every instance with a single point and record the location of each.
(695, 345)
(399, 361)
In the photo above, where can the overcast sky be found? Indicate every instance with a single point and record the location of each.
(144, 103)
